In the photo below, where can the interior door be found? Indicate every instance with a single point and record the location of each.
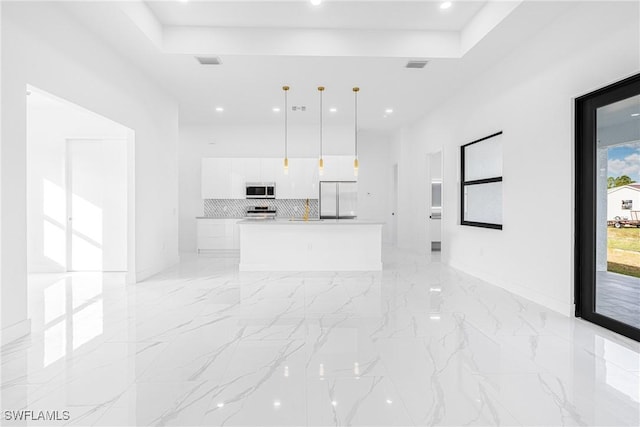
(96, 205)
(608, 207)
(435, 200)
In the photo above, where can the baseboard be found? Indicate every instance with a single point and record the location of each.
(142, 275)
(561, 307)
(371, 266)
(15, 331)
(219, 253)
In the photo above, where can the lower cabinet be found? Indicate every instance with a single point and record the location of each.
(218, 235)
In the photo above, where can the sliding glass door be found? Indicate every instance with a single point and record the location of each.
(608, 207)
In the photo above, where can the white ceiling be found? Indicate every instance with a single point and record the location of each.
(248, 83)
(377, 15)
(617, 123)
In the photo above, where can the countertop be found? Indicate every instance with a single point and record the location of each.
(269, 222)
(217, 217)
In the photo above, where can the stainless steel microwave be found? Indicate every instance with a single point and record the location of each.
(261, 190)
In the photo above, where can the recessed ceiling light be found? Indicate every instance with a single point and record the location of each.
(219, 109)
(635, 115)
(334, 403)
(276, 404)
(333, 109)
(389, 110)
(276, 109)
(316, 2)
(446, 5)
(220, 405)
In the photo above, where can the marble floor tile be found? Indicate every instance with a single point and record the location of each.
(418, 343)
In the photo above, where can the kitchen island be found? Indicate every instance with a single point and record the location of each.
(314, 245)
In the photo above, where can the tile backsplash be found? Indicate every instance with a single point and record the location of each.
(236, 208)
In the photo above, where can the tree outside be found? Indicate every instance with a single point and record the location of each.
(619, 181)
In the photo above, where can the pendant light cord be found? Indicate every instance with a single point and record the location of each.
(321, 89)
(356, 90)
(286, 113)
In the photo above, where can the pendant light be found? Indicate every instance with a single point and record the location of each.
(286, 112)
(321, 162)
(355, 159)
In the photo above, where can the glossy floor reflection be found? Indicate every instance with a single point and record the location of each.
(417, 344)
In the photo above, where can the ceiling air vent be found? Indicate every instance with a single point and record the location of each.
(209, 60)
(417, 63)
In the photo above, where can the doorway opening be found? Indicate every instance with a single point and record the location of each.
(607, 262)
(434, 226)
(79, 188)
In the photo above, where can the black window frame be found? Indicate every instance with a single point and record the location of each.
(464, 184)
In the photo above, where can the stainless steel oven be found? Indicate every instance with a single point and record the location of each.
(260, 190)
(260, 212)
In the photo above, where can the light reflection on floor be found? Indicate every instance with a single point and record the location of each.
(416, 344)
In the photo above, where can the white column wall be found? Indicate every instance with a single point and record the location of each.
(44, 46)
(529, 95)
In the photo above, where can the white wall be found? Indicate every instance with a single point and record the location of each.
(49, 124)
(197, 142)
(375, 179)
(528, 95)
(45, 47)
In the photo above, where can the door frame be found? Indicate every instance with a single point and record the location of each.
(586, 199)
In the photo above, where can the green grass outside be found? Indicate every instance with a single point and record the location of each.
(627, 270)
(626, 239)
(623, 251)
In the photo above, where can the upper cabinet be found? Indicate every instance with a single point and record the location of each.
(251, 168)
(225, 178)
(270, 169)
(301, 182)
(338, 168)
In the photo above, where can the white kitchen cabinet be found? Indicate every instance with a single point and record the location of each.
(338, 168)
(331, 169)
(251, 169)
(301, 182)
(283, 182)
(238, 187)
(304, 179)
(216, 178)
(345, 166)
(270, 169)
(225, 178)
(218, 235)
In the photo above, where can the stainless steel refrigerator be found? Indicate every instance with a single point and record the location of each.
(338, 199)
